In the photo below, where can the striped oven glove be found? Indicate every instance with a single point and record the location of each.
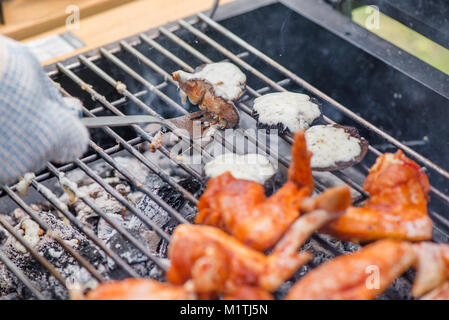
(36, 123)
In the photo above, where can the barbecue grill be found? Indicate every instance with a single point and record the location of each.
(144, 63)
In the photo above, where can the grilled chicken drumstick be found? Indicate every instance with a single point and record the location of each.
(359, 276)
(216, 262)
(139, 289)
(241, 208)
(397, 207)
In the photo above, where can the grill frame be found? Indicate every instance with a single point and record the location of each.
(107, 52)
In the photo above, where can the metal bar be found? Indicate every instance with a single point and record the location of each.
(313, 90)
(58, 205)
(19, 274)
(44, 262)
(153, 167)
(110, 221)
(159, 172)
(277, 87)
(307, 86)
(125, 92)
(243, 106)
(34, 215)
(122, 200)
(142, 188)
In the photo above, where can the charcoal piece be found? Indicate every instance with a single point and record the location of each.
(171, 196)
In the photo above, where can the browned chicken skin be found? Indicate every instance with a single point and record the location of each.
(397, 207)
(139, 289)
(359, 276)
(217, 262)
(240, 207)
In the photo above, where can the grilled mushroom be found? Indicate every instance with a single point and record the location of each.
(214, 87)
(254, 167)
(285, 111)
(335, 147)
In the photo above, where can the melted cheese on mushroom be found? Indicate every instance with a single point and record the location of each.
(331, 145)
(226, 78)
(253, 167)
(293, 110)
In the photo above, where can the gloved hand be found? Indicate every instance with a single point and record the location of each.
(36, 123)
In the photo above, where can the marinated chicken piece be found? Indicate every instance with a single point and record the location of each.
(241, 208)
(139, 289)
(362, 275)
(432, 267)
(397, 207)
(249, 293)
(440, 293)
(214, 87)
(212, 261)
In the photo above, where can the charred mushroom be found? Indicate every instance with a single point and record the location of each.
(335, 147)
(214, 87)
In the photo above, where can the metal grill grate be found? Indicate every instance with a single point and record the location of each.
(112, 66)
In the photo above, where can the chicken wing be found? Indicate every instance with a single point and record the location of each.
(211, 260)
(359, 276)
(249, 293)
(440, 293)
(397, 207)
(139, 289)
(432, 268)
(240, 207)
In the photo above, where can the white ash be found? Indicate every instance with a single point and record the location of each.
(10, 287)
(56, 255)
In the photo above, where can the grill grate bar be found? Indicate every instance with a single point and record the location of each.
(205, 59)
(131, 145)
(132, 97)
(111, 222)
(19, 274)
(149, 164)
(120, 198)
(44, 262)
(61, 207)
(274, 85)
(322, 95)
(34, 215)
(243, 106)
